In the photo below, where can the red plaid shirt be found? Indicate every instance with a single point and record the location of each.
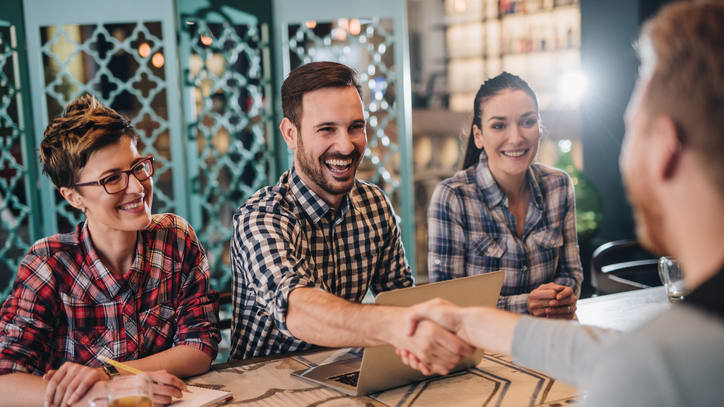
(67, 306)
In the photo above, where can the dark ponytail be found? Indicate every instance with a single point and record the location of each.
(488, 89)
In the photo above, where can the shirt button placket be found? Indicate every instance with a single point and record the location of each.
(129, 312)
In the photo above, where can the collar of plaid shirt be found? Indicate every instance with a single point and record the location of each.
(96, 270)
(313, 205)
(492, 194)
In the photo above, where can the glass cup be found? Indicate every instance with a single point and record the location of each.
(672, 278)
(126, 391)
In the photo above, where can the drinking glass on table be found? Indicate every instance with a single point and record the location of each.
(672, 278)
(126, 391)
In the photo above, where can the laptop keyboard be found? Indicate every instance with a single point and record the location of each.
(347, 378)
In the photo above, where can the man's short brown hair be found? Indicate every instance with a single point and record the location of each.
(683, 45)
(69, 140)
(310, 77)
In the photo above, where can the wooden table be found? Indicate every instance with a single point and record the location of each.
(494, 382)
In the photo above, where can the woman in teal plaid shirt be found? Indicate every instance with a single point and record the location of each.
(504, 212)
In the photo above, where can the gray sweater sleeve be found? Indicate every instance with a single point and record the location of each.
(562, 349)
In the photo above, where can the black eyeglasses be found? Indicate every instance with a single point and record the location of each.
(118, 181)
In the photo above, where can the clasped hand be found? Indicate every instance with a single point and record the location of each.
(552, 300)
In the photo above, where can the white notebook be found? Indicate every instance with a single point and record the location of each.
(203, 397)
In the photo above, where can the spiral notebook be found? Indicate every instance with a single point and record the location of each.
(203, 397)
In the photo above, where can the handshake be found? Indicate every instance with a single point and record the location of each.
(436, 335)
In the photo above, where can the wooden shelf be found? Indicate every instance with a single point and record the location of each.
(552, 10)
(450, 20)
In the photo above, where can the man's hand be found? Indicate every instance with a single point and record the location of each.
(485, 328)
(70, 383)
(437, 349)
(435, 319)
(552, 300)
(321, 318)
(442, 312)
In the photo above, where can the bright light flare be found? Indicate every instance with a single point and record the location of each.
(206, 40)
(343, 23)
(355, 27)
(158, 60)
(572, 86)
(144, 50)
(565, 145)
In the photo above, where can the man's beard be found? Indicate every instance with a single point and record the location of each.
(315, 173)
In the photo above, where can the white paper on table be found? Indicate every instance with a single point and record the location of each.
(202, 397)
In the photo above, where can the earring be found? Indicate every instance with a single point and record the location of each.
(83, 210)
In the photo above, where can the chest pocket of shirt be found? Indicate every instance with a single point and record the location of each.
(549, 241)
(485, 256)
(158, 327)
(355, 270)
(93, 329)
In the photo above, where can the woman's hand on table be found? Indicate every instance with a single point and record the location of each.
(552, 300)
(564, 305)
(70, 383)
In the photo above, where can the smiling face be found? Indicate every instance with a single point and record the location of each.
(330, 141)
(129, 210)
(509, 133)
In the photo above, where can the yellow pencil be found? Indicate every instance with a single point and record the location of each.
(123, 366)
(119, 365)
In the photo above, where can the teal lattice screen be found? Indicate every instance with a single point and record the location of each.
(123, 65)
(368, 46)
(228, 118)
(18, 200)
(208, 124)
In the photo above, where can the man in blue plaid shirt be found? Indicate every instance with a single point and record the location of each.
(306, 250)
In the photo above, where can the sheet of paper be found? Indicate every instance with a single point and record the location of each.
(201, 397)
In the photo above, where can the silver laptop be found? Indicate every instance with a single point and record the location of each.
(380, 368)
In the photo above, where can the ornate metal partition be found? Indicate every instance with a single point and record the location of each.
(374, 43)
(226, 74)
(125, 56)
(208, 125)
(18, 197)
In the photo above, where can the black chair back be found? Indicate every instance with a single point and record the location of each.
(623, 265)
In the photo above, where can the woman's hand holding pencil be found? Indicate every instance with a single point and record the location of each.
(165, 385)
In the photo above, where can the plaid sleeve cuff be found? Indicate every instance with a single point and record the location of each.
(210, 348)
(569, 282)
(280, 302)
(201, 332)
(10, 366)
(514, 303)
